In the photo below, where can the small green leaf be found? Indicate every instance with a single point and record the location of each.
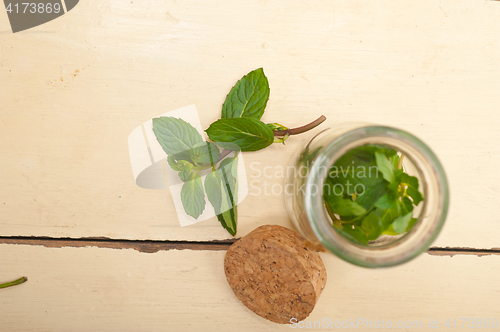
(173, 163)
(213, 188)
(277, 127)
(377, 221)
(229, 169)
(401, 223)
(248, 98)
(176, 136)
(406, 205)
(184, 173)
(193, 195)
(182, 166)
(385, 167)
(246, 133)
(412, 190)
(353, 233)
(221, 189)
(345, 206)
(281, 139)
(388, 201)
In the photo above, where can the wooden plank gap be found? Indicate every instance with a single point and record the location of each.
(146, 246)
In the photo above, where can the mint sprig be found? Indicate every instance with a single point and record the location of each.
(367, 194)
(239, 129)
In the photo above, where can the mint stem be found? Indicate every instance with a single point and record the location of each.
(300, 130)
(15, 282)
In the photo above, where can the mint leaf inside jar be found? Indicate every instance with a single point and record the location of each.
(368, 194)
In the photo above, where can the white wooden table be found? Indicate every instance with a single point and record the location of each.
(72, 218)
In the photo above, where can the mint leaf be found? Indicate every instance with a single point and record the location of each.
(412, 190)
(193, 195)
(406, 205)
(388, 201)
(356, 172)
(185, 171)
(173, 163)
(213, 188)
(401, 223)
(229, 169)
(176, 136)
(248, 134)
(248, 98)
(182, 166)
(221, 189)
(353, 233)
(377, 221)
(344, 206)
(385, 167)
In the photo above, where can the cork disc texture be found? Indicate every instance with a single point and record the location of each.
(272, 272)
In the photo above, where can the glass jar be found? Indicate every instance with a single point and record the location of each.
(304, 194)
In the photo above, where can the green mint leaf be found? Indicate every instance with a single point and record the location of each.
(377, 221)
(205, 153)
(193, 195)
(229, 170)
(173, 163)
(388, 201)
(369, 176)
(401, 223)
(406, 205)
(213, 188)
(176, 136)
(344, 206)
(185, 171)
(182, 166)
(246, 133)
(353, 233)
(248, 98)
(221, 189)
(412, 190)
(356, 172)
(385, 167)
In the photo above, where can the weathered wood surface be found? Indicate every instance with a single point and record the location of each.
(74, 88)
(95, 289)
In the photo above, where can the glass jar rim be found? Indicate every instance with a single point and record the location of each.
(411, 244)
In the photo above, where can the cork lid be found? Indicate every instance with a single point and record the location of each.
(274, 274)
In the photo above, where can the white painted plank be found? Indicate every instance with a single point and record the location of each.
(91, 289)
(74, 88)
